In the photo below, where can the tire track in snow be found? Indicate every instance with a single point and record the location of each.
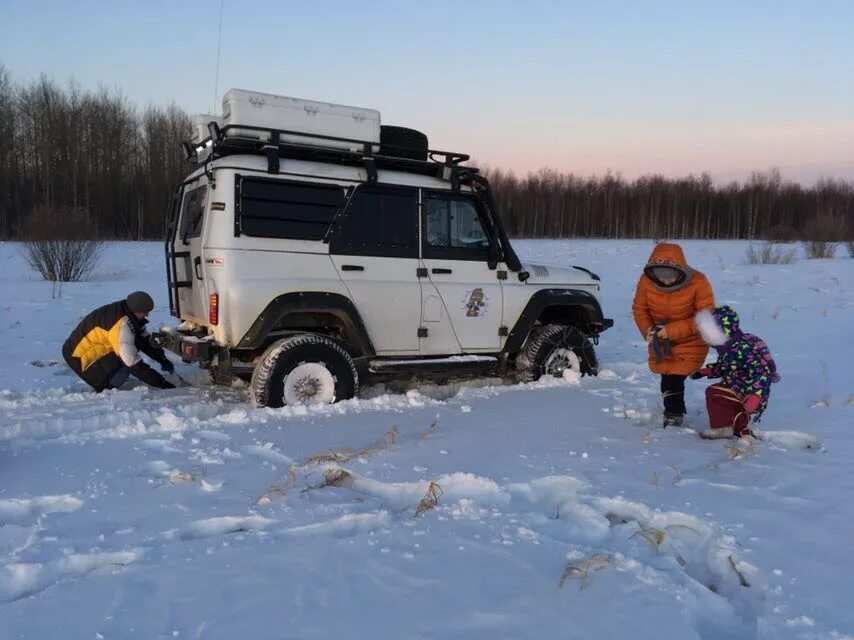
(672, 550)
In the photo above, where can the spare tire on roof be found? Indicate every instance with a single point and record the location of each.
(402, 142)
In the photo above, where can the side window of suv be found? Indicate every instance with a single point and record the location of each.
(380, 220)
(269, 208)
(453, 228)
(192, 213)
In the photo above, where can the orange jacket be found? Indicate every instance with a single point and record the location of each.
(674, 307)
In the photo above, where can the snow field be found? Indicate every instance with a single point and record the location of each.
(138, 513)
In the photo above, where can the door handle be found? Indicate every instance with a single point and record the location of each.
(437, 270)
(197, 262)
(352, 267)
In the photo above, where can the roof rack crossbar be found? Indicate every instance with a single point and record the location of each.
(274, 147)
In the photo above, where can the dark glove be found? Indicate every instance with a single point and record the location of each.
(149, 376)
(775, 377)
(700, 373)
(166, 365)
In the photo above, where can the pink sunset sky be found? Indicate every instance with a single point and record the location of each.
(632, 87)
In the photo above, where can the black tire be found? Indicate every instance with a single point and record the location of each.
(401, 142)
(267, 387)
(544, 341)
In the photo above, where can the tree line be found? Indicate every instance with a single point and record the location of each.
(90, 152)
(116, 166)
(550, 204)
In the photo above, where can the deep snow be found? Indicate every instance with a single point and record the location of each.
(145, 514)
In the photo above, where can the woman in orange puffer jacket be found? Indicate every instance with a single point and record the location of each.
(668, 296)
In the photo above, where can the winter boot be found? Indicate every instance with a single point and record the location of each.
(672, 420)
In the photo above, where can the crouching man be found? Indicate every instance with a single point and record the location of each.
(104, 349)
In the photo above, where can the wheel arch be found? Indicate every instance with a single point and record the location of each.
(304, 309)
(570, 307)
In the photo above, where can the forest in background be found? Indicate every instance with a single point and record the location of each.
(112, 166)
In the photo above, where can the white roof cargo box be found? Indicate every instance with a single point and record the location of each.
(253, 109)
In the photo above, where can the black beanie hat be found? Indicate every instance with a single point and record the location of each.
(140, 302)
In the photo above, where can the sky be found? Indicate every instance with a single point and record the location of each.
(668, 87)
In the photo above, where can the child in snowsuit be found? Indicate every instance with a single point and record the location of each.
(668, 296)
(746, 370)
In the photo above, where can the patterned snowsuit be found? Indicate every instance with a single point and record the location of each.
(745, 367)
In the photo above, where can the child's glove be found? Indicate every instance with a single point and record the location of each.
(776, 378)
(751, 403)
(701, 373)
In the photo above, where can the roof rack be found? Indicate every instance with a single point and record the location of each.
(233, 139)
(444, 165)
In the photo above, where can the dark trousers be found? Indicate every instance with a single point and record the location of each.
(119, 378)
(726, 409)
(673, 394)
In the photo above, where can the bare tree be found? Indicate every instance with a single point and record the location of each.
(61, 244)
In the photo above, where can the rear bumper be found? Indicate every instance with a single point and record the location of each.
(189, 348)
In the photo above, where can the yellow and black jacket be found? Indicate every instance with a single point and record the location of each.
(106, 340)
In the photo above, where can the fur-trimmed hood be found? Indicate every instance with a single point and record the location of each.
(719, 327)
(668, 254)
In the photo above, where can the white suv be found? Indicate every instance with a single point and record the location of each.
(313, 248)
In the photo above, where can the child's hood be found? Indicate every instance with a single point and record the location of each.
(718, 327)
(727, 320)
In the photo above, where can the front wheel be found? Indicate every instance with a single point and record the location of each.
(554, 349)
(301, 370)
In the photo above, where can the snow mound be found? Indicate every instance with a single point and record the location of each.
(25, 510)
(19, 580)
(224, 525)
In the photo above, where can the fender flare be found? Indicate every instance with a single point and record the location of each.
(547, 298)
(308, 301)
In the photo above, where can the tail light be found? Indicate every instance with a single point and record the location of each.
(213, 309)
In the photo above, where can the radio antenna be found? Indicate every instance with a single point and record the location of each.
(218, 49)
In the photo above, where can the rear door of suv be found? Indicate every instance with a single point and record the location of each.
(374, 246)
(189, 265)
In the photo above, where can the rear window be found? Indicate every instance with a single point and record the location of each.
(292, 210)
(192, 212)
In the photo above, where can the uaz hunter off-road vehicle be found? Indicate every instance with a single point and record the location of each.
(312, 248)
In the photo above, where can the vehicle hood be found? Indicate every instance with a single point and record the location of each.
(552, 274)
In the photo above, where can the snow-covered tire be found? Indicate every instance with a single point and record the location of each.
(303, 369)
(553, 348)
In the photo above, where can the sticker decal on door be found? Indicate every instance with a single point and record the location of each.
(475, 303)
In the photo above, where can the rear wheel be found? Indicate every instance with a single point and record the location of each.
(554, 349)
(303, 369)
